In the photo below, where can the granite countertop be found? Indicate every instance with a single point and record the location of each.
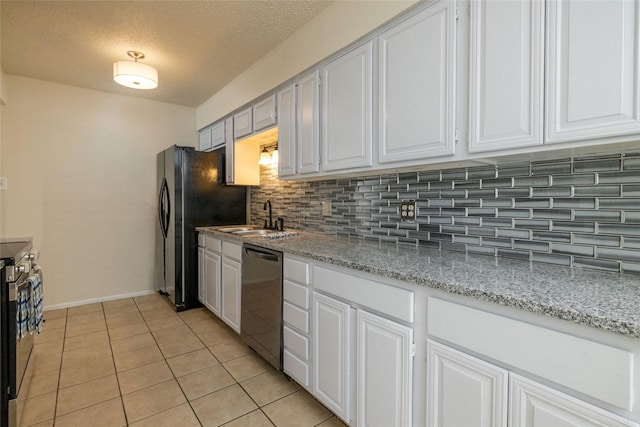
(603, 300)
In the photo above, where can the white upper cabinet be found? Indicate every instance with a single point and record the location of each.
(230, 152)
(218, 135)
(243, 123)
(347, 110)
(506, 74)
(416, 84)
(205, 139)
(287, 132)
(592, 69)
(308, 123)
(264, 113)
(213, 137)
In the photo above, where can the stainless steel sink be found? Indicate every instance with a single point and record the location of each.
(234, 229)
(252, 232)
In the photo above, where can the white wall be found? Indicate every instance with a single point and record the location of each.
(339, 24)
(81, 166)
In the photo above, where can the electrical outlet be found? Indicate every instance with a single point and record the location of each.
(326, 208)
(408, 210)
(3, 183)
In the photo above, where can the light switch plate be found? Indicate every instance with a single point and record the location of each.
(326, 208)
(408, 210)
(3, 183)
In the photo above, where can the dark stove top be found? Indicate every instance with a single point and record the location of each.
(14, 249)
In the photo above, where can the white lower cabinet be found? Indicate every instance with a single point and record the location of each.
(463, 390)
(384, 371)
(332, 342)
(219, 278)
(212, 282)
(201, 275)
(231, 292)
(296, 358)
(535, 405)
(484, 389)
(209, 272)
(380, 351)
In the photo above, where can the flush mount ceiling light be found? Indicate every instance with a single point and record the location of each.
(135, 74)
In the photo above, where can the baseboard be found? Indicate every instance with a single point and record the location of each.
(94, 300)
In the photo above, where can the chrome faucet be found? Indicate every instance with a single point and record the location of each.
(264, 208)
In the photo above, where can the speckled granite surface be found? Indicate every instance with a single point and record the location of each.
(608, 301)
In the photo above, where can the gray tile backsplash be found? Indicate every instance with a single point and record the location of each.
(573, 211)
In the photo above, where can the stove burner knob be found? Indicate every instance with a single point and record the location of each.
(33, 255)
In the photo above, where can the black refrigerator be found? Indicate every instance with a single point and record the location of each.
(191, 193)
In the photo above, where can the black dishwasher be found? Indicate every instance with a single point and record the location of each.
(261, 313)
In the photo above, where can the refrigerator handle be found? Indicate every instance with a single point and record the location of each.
(164, 213)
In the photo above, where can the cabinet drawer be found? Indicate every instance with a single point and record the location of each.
(296, 294)
(296, 343)
(296, 368)
(201, 240)
(589, 367)
(232, 250)
(386, 299)
(213, 244)
(296, 270)
(296, 317)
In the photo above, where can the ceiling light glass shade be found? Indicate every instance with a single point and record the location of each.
(265, 157)
(135, 75)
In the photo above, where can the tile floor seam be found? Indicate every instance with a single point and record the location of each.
(64, 340)
(173, 373)
(124, 411)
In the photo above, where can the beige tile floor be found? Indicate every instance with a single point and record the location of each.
(135, 362)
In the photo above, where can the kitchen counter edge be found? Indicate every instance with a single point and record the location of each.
(603, 300)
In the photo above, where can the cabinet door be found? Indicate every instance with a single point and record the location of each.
(287, 132)
(506, 70)
(308, 122)
(212, 280)
(202, 280)
(229, 151)
(231, 291)
(417, 86)
(218, 135)
(347, 109)
(243, 123)
(592, 69)
(384, 363)
(264, 113)
(534, 405)
(331, 354)
(463, 390)
(205, 139)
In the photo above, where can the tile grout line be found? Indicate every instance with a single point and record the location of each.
(115, 368)
(171, 370)
(64, 341)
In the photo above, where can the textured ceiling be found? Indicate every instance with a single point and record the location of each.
(197, 46)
